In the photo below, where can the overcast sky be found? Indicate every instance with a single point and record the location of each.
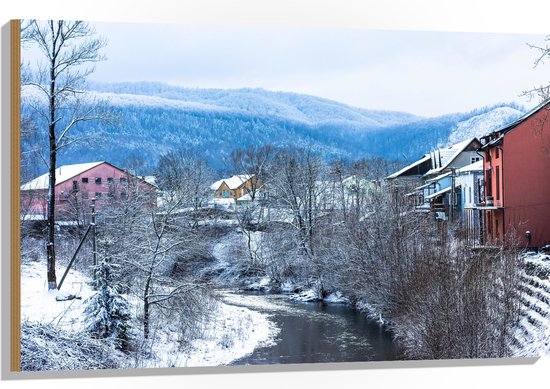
(423, 73)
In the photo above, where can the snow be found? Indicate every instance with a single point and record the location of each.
(296, 107)
(481, 125)
(436, 194)
(533, 332)
(336, 298)
(308, 295)
(230, 334)
(234, 333)
(474, 167)
(39, 304)
(400, 172)
(260, 284)
(62, 173)
(447, 155)
(233, 183)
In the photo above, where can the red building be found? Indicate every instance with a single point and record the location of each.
(75, 187)
(517, 180)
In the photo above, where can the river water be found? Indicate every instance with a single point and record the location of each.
(316, 332)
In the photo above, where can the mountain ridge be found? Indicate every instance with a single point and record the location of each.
(155, 118)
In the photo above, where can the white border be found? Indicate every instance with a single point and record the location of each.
(526, 16)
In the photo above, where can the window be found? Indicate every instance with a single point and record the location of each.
(470, 193)
(497, 153)
(84, 180)
(225, 193)
(110, 180)
(123, 180)
(84, 195)
(475, 159)
(98, 180)
(75, 185)
(497, 178)
(97, 195)
(123, 195)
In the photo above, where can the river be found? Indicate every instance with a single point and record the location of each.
(315, 332)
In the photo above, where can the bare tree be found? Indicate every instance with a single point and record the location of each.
(543, 54)
(184, 179)
(69, 50)
(253, 161)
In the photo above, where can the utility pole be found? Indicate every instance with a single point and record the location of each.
(93, 232)
(453, 194)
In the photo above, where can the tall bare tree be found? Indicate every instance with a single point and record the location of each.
(543, 54)
(69, 49)
(542, 93)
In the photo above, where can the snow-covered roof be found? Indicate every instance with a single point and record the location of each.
(476, 166)
(437, 178)
(62, 173)
(151, 180)
(436, 194)
(246, 197)
(398, 173)
(441, 158)
(233, 182)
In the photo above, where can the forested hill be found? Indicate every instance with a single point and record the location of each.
(154, 118)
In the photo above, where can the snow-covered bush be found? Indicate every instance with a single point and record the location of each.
(47, 347)
(107, 313)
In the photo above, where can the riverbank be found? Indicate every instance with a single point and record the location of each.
(230, 333)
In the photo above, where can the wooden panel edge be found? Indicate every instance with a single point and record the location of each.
(15, 231)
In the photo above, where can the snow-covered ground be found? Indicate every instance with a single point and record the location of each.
(234, 333)
(231, 333)
(40, 305)
(532, 335)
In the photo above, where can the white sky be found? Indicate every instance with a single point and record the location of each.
(425, 73)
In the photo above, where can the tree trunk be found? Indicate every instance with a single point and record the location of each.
(52, 281)
(146, 308)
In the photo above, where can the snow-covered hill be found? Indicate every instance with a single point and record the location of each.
(258, 102)
(484, 123)
(154, 118)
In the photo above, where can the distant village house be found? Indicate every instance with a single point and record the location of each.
(242, 187)
(76, 186)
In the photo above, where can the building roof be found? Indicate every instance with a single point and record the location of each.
(437, 178)
(151, 180)
(509, 127)
(62, 174)
(440, 158)
(408, 167)
(232, 183)
(476, 166)
(443, 157)
(436, 194)
(66, 172)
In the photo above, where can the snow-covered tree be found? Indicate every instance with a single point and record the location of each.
(107, 313)
(68, 51)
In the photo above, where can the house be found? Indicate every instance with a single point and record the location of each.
(434, 175)
(517, 179)
(440, 161)
(76, 186)
(469, 182)
(238, 188)
(436, 193)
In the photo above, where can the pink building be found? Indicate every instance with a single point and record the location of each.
(75, 187)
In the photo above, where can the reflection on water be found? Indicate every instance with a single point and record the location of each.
(316, 332)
